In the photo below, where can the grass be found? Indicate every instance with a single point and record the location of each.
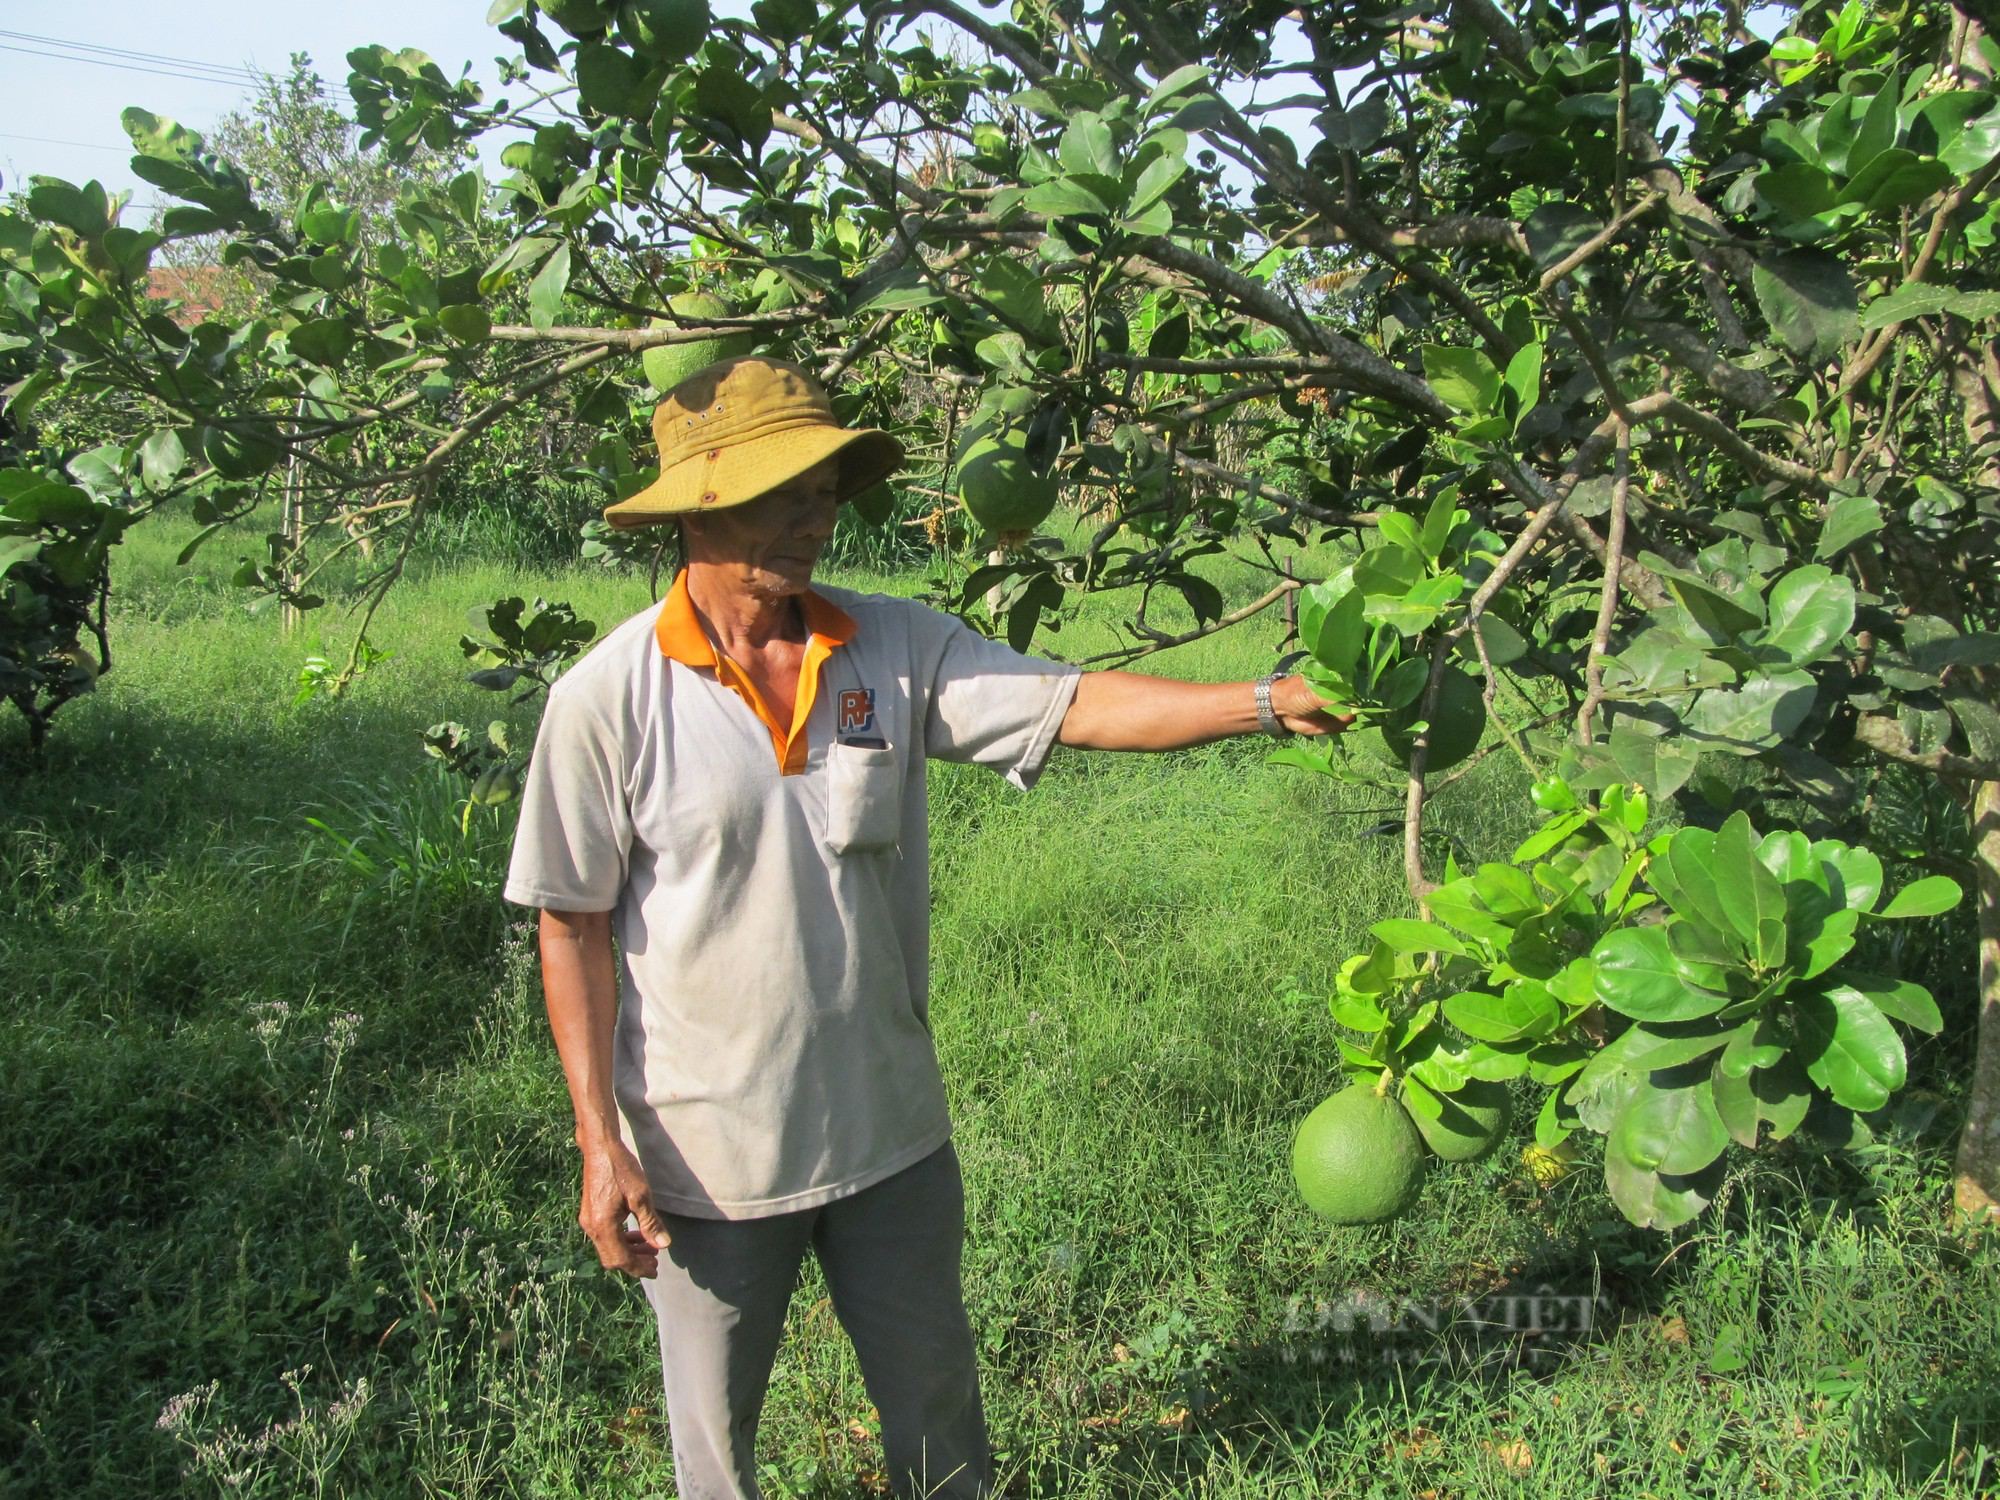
(286, 1186)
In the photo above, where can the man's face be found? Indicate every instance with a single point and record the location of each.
(770, 544)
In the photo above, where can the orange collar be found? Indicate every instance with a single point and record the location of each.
(682, 639)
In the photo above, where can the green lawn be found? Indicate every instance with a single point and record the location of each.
(286, 1185)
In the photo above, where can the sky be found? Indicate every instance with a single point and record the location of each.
(59, 112)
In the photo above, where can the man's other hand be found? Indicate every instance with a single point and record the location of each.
(618, 1213)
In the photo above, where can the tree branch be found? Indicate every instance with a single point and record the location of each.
(1888, 738)
(1607, 603)
(1165, 643)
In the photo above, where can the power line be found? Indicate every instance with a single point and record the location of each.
(144, 57)
(49, 140)
(243, 80)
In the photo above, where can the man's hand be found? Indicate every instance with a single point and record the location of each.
(1303, 711)
(615, 1190)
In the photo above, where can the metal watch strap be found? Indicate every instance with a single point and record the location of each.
(1267, 718)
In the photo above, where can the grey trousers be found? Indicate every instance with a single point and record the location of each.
(890, 1255)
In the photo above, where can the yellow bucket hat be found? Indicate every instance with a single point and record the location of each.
(742, 427)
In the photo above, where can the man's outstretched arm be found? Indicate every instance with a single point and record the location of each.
(1132, 711)
(580, 984)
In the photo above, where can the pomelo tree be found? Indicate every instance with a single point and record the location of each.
(1647, 362)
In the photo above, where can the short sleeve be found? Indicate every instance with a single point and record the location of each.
(990, 705)
(575, 833)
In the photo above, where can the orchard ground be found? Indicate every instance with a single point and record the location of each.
(288, 1186)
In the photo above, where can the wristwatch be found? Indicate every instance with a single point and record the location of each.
(1267, 718)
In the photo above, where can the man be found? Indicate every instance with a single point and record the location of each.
(731, 784)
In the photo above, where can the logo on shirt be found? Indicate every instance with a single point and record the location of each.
(857, 711)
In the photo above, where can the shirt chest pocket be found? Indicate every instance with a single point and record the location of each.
(864, 799)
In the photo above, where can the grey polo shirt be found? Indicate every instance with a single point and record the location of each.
(773, 1046)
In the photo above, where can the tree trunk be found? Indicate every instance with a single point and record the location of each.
(1978, 1186)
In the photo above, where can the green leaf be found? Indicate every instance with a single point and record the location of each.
(1086, 146)
(1493, 1064)
(195, 543)
(1306, 757)
(1652, 1200)
(1828, 944)
(1333, 629)
(1438, 520)
(545, 292)
(466, 322)
(1735, 1104)
(1896, 179)
(84, 209)
(1357, 127)
(1808, 299)
(1464, 379)
(1550, 835)
(1750, 895)
(1920, 299)
(1016, 292)
(1809, 609)
(1156, 180)
(323, 341)
(1923, 898)
(1683, 874)
(50, 504)
(158, 137)
(1783, 1096)
(1798, 190)
(1753, 1045)
(1170, 337)
(1975, 145)
(1387, 572)
(1062, 198)
(1398, 530)
(1717, 614)
(1406, 935)
(1878, 128)
(1901, 1000)
(1661, 763)
(1637, 975)
(1179, 81)
(15, 549)
(1849, 1048)
(1524, 376)
(1848, 519)
(1669, 1130)
(1523, 1011)
(161, 458)
(1859, 872)
(1755, 716)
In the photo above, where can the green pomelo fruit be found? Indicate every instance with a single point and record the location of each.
(1474, 1119)
(667, 365)
(240, 455)
(580, 18)
(1455, 728)
(998, 485)
(1358, 1158)
(664, 30)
